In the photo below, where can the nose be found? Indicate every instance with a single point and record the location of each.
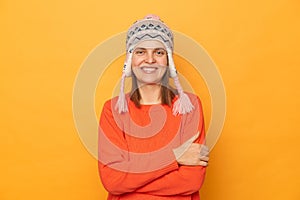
(150, 58)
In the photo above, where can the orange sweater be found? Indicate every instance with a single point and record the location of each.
(136, 160)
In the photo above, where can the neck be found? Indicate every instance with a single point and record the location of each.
(150, 94)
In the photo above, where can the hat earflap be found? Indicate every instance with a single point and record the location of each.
(121, 105)
(183, 104)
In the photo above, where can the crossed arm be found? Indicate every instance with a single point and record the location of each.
(188, 167)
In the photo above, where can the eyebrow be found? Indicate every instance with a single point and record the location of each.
(142, 48)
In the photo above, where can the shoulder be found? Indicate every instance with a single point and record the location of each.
(110, 104)
(108, 107)
(195, 100)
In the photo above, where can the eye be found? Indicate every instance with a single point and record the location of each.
(160, 52)
(139, 52)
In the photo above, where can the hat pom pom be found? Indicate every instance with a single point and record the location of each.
(183, 104)
(152, 16)
(121, 105)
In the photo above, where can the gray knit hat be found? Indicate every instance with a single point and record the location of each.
(149, 28)
(152, 28)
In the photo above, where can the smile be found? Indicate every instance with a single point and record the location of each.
(149, 70)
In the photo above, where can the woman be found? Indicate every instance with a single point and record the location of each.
(151, 140)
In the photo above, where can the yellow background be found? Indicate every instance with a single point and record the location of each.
(255, 45)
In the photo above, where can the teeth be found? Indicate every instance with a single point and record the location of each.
(148, 69)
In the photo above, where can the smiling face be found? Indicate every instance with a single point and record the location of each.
(149, 62)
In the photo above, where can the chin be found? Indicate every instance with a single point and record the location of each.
(149, 82)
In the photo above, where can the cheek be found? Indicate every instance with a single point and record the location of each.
(135, 61)
(134, 69)
(163, 61)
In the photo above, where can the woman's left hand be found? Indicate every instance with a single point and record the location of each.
(196, 154)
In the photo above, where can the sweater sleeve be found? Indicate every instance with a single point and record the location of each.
(186, 179)
(113, 152)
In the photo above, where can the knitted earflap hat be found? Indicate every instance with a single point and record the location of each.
(152, 28)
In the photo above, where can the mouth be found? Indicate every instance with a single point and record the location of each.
(149, 69)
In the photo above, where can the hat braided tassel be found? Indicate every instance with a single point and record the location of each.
(183, 104)
(121, 105)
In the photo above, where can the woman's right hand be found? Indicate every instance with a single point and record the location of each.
(196, 154)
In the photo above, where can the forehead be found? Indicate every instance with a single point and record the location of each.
(151, 44)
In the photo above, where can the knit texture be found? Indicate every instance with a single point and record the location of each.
(149, 28)
(171, 181)
(152, 28)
